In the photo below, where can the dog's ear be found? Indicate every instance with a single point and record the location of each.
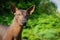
(31, 9)
(13, 8)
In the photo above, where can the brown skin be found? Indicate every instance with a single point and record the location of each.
(14, 32)
(2, 31)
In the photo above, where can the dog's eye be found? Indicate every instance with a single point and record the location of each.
(18, 14)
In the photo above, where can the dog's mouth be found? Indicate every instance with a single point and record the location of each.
(23, 22)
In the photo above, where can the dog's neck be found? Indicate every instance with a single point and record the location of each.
(16, 24)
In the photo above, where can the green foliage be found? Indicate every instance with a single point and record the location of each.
(45, 27)
(46, 7)
(43, 24)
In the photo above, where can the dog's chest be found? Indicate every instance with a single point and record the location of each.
(16, 31)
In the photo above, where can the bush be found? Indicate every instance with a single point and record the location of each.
(46, 27)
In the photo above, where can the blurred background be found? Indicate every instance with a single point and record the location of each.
(43, 24)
